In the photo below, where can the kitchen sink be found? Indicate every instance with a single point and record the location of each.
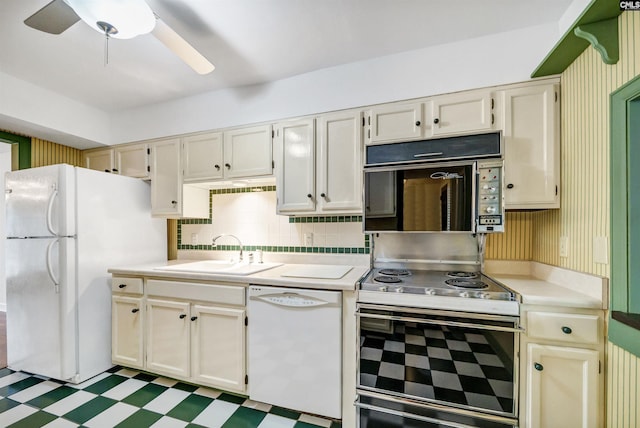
(221, 267)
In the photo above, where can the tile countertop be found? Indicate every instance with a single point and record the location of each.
(541, 284)
(275, 276)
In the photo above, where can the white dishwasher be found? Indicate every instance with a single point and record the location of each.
(295, 348)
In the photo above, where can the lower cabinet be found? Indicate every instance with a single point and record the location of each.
(561, 358)
(190, 331)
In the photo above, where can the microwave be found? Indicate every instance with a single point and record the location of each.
(447, 185)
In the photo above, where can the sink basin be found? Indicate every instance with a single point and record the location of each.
(220, 267)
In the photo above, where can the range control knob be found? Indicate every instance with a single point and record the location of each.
(399, 290)
(429, 291)
(464, 294)
(490, 209)
(383, 288)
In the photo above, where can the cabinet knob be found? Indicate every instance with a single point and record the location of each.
(436, 120)
(227, 165)
(538, 367)
(174, 202)
(417, 123)
(114, 170)
(107, 170)
(566, 330)
(134, 310)
(323, 195)
(309, 195)
(194, 318)
(510, 186)
(217, 167)
(183, 316)
(122, 285)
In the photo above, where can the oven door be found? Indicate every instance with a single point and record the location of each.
(464, 362)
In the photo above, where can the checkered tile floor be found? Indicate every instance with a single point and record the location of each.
(127, 398)
(436, 362)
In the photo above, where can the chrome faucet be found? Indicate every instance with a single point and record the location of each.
(213, 242)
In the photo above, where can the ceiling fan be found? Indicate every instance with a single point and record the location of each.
(121, 19)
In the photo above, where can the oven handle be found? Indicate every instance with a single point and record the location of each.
(410, 416)
(441, 322)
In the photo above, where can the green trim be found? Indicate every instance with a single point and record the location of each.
(24, 148)
(627, 338)
(570, 46)
(603, 36)
(625, 209)
(327, 219)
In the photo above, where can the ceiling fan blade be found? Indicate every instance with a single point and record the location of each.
(53, 18)
(182, 48)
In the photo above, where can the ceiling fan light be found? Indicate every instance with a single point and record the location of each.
(130, 18)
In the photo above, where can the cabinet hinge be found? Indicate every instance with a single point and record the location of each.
(148, 151)
(599, 366)
(492, 119)
(556, 190)
(369, 133)
(273, 164)
(273, 133)
(246, 379)
(556, 96)
(492, 103)
(369, 119)
(148, 168)
(246, 320)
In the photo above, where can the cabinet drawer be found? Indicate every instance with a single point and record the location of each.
(224, 294)
(574, 328)
(123, 284)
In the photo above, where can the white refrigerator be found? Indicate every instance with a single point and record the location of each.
(65, 227)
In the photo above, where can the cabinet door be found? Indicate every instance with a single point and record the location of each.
(463, 112)
(395, 122)
(295, 167)
(127, 315)
(248, 152)
(133, 161)
(166, 178)
(168, 337)
(531, 147)
(100, 160)
(340, 163)
(562, 387)
(202, 157)
(218, 347)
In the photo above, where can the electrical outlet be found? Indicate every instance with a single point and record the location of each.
(308, 239)
(601, 250)
(564, 246)
(194, 239)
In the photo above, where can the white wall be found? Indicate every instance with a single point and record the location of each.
(5, 165)
(485, 61)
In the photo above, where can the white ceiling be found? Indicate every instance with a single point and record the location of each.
(249, 41)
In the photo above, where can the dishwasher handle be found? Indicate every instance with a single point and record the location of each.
(292, 300)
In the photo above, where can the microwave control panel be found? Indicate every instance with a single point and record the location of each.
(490, 197)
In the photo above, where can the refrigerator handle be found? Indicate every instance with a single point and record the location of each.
(52, 199)
(56, 283)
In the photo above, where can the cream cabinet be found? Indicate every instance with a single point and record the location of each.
(190, 331)
(562, 355)
(462, 113)
(127, 322)
(169, 196)
(131, 160)
(531, 145)
(202, 157)
(388, 123)
(318, 165)
(237, 153)
(100, 160)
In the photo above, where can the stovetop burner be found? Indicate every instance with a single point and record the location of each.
(466, 283)
(457, 274)
(387, 279)
(394, 272)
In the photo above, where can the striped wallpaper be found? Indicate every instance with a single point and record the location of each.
(623, 400)
(47, 153)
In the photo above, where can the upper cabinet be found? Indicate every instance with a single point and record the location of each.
(131, 160)
(100, 160)
(169, 197)
(531, 145)
(462, 113)
(318, 165)
(238, 153)
(389, 123)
